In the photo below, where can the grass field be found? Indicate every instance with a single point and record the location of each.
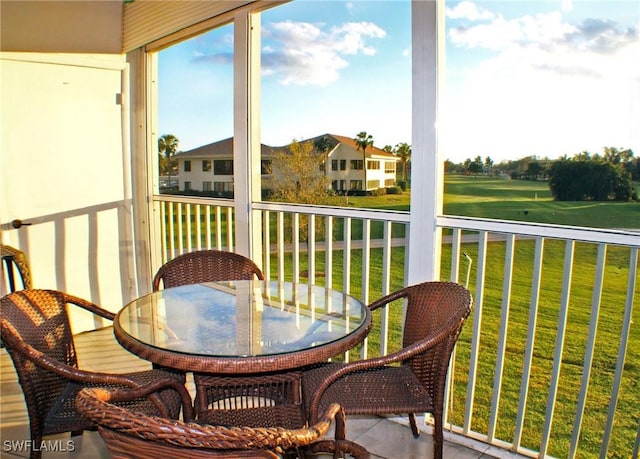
(508, 200)
(524, 200)
(532, 202)
(607, 342)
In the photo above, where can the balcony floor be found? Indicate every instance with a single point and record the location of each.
(98, 351)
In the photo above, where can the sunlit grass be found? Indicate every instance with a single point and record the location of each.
(508, 200)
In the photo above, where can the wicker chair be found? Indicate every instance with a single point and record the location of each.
(411, 380)
(274, 399)
(130, 434)
(15, 262)
(205, 266)
(37, 334)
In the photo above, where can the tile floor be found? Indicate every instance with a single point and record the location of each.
(383, 438)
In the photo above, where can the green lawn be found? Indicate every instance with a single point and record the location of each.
(608, 338)
(506, 199)
(523, 200)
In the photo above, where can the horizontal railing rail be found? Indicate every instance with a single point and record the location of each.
(547, 364)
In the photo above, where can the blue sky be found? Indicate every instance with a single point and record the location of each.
(542, 78)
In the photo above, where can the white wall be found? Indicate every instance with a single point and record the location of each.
(63, 169)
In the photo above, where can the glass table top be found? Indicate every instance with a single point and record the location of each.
(242, 318)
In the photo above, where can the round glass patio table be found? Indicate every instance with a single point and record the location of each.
(242, 327)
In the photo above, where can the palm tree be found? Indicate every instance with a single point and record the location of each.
(364, 140)
(323, 145)
(167, 146)
(403, 151)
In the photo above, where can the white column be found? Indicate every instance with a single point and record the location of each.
(426, 165)
(246, 138)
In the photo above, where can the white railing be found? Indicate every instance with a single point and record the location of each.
(544, 366)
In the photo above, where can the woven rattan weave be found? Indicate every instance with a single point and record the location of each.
(136, 435)
(206, 266)
(37, 334)
(411, 380)
(15, 262)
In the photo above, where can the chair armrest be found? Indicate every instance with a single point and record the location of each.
(148, 390)
(70, 373)
(95, 403)
(380, 302)
(89, 306)
(50, 364)
(401, 355)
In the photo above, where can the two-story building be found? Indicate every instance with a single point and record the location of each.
(209, 168)
(345, 165)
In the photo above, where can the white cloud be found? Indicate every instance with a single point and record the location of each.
(500, 34)
(303, 53)
(469, 10)
(551, 88)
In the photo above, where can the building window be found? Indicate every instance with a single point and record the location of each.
(223, 187)
(355, 185)
(206, 165)
(389, 182)
(206, 186)
(374, 165)
(343, 164)
(223, 167)
(187, 166)
(334, 164)
(373, 184)
(338, 185)
(356, 164)
(187, 186)
(266, 167)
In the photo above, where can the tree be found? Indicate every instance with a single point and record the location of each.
(488, 163)
(323, 145)
(299, 178)
(403, 151)
(167, 148)
(586, 177)
(364, 140)
(475, 166)
(614, 156)
(534, 170)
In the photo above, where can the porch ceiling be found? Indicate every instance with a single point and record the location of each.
(102, 27)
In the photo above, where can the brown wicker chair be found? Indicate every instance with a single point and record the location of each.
(15, 262)
(435, 314)
(275, 399)
(130, 434)
(37, 334)
(205, 266)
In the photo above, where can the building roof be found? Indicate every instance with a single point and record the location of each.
(220, 148)
(372, 150)
(225, 148)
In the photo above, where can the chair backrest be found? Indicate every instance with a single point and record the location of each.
(15, 268)
(137, 435)
(206, 266)
(434, 307)
(37, 318)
